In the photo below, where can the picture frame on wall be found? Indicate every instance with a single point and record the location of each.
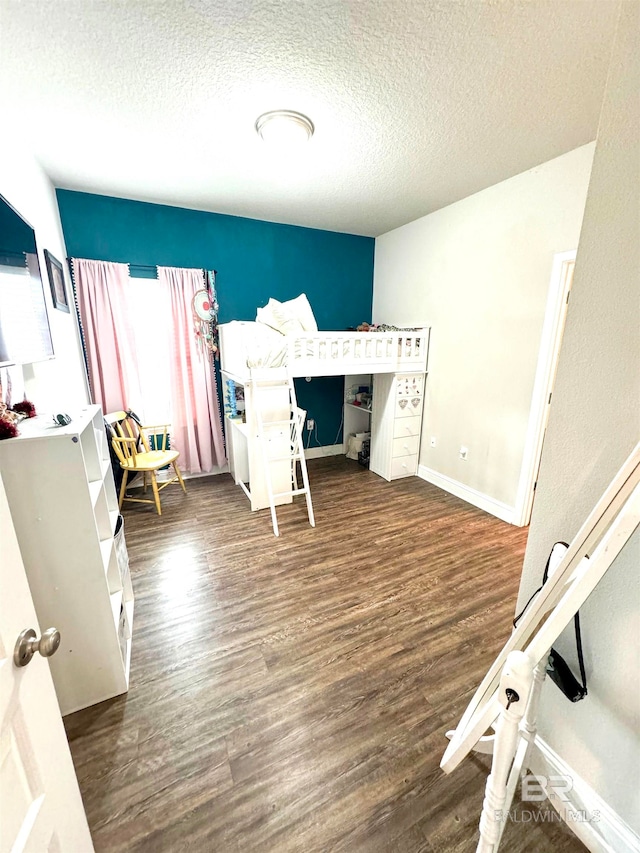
(57, 282)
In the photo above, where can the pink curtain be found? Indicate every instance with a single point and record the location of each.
(196, 426)
(102, 293)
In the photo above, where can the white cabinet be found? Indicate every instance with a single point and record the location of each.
(396, 424)
(63, 503)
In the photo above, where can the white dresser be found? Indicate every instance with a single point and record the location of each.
(63, 503)
(396, 424)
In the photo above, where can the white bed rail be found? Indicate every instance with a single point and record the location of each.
(328, 353)
(335, 353)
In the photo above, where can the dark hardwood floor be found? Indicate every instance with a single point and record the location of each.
(292, 694)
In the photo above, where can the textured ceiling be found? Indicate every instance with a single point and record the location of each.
(416, 104)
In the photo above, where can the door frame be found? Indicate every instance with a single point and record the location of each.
(548, 355)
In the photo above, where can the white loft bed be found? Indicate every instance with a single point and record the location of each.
(244, 356)
(253, 355)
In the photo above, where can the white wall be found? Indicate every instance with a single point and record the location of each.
(478, 273)
(58, 384)
(594, 424)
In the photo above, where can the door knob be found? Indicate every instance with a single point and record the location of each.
(27, 645)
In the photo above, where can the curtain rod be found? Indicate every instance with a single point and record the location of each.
(151, 270)
(146, 270)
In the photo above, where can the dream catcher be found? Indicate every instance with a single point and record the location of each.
(205, 314)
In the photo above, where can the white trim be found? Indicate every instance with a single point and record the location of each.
(550, 342)
(609, 834)
(223, 469)
(327, 450)
(472, 496)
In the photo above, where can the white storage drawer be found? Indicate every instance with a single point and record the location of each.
(396, 424)
(404, 466)
(405, 446)
(410, 385)
(408, 407)
(406, 426)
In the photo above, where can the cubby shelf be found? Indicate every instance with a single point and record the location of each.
(359, 408)
(64, 507)
(106, 546)
(95, 487)
(356, 419)
(116, 602)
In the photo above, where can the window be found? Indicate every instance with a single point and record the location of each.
(152, 330)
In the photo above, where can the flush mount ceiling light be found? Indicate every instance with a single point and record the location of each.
(284, 127)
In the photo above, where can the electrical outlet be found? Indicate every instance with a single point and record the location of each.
(464, 453)
(310, 424)
(433, 441)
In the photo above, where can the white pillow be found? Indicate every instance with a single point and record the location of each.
(274, 314)
(289, 318)
(301, 309)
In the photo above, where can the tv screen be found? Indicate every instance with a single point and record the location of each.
(24, 325)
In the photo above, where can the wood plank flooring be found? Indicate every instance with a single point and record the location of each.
(292, 694)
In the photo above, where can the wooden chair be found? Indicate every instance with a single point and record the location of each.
(128, 439)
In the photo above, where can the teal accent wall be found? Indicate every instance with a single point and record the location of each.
(254, 259)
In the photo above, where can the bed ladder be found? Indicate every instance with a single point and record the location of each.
(286, 437)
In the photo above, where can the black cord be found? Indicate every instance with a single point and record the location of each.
(561, 682)
(583, 675)
(523, 611)
(545, 576)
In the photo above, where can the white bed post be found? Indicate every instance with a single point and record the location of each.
(513, 695)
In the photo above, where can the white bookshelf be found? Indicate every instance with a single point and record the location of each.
(64, 507)
(356, 418)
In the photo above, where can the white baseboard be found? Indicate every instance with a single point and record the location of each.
(602, 830)
(327, 450)
(472, 496)
(223, 469)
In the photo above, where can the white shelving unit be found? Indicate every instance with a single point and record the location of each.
(356, 418)
(396, 424)
(394, 420)
(64, 507)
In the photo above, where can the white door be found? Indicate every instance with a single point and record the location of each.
(40, 805)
